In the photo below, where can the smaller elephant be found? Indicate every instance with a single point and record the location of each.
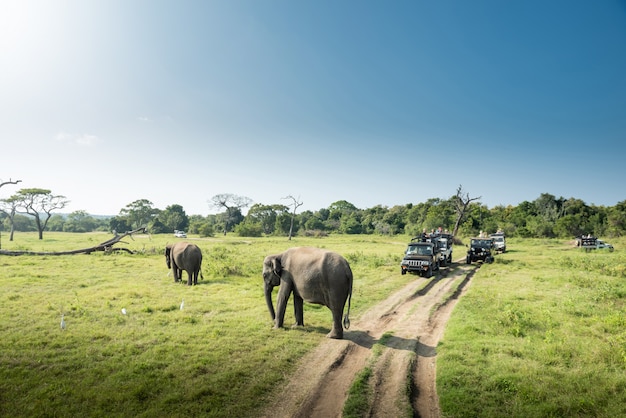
(184, 256)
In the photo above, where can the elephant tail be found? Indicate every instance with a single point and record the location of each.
(346, 318)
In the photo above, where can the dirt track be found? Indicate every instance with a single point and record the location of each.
(413, 320)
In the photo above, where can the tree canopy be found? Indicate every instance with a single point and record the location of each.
(547, 216)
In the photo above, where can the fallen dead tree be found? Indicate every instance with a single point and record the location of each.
(106, 246)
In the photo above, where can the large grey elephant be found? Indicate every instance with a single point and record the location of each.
(184, 256)
(312, 274)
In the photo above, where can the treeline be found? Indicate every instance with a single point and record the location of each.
(547, 216)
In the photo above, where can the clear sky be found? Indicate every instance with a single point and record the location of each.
(373, 102)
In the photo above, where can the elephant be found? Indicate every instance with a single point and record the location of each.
(184, 256)
(314, 275)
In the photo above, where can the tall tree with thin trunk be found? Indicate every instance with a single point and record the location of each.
(461, 201)
(296, 204)
(11, 207)
(40, 203)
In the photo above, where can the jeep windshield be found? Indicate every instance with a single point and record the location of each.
(419, 250)
(482, 243)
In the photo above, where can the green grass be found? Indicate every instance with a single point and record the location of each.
(360, 392)
(218, 357)
(541, 332)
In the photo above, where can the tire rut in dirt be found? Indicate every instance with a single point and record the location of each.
(423, 395)
(393, 394)
(320, 385)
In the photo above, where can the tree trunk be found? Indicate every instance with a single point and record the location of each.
(106, 246)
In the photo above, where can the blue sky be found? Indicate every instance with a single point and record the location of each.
(377, 103)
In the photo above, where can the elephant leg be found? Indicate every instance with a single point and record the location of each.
(176, 273)
(189, 277)
(281, 303)
(337, 331)
(298, 310)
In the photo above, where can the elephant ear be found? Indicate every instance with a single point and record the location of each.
(277, 267)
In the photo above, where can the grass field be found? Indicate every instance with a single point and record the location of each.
(540, 332)
(217, 357)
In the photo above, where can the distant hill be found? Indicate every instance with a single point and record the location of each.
(98, 217)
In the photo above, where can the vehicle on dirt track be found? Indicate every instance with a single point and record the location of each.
(602, 244)
(480, 249)
(444, 248)
(589, 243)
(499, 242)
(420, 258)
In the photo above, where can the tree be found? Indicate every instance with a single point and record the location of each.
(248, 228)
(616, 219)
(106, 246)
(396, 218)
(372, 220)
(201, 225)
(351, 223)
(12, 208)
(283, 223)
(139, 213)
(232, 204)
(265, 216)
(119, 223)
(57, 223)
(40, 203)
(80, 221)
(296, 204)
(548, 207)
(9, 207)
(439, 214)
(174, 218)
(316, 221)
(158, 227)
(461, 203)
(4, 183)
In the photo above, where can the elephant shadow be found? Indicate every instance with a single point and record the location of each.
(365, 340)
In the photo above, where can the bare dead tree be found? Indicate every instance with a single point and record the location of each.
(4, 183)
(296, 204)
(106, 246)
(462, 201)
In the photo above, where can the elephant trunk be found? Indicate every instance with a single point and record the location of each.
(268, 299)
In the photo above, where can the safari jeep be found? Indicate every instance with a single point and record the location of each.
(499, 242)
(420, 258)
(444, 247)
(480, 249)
